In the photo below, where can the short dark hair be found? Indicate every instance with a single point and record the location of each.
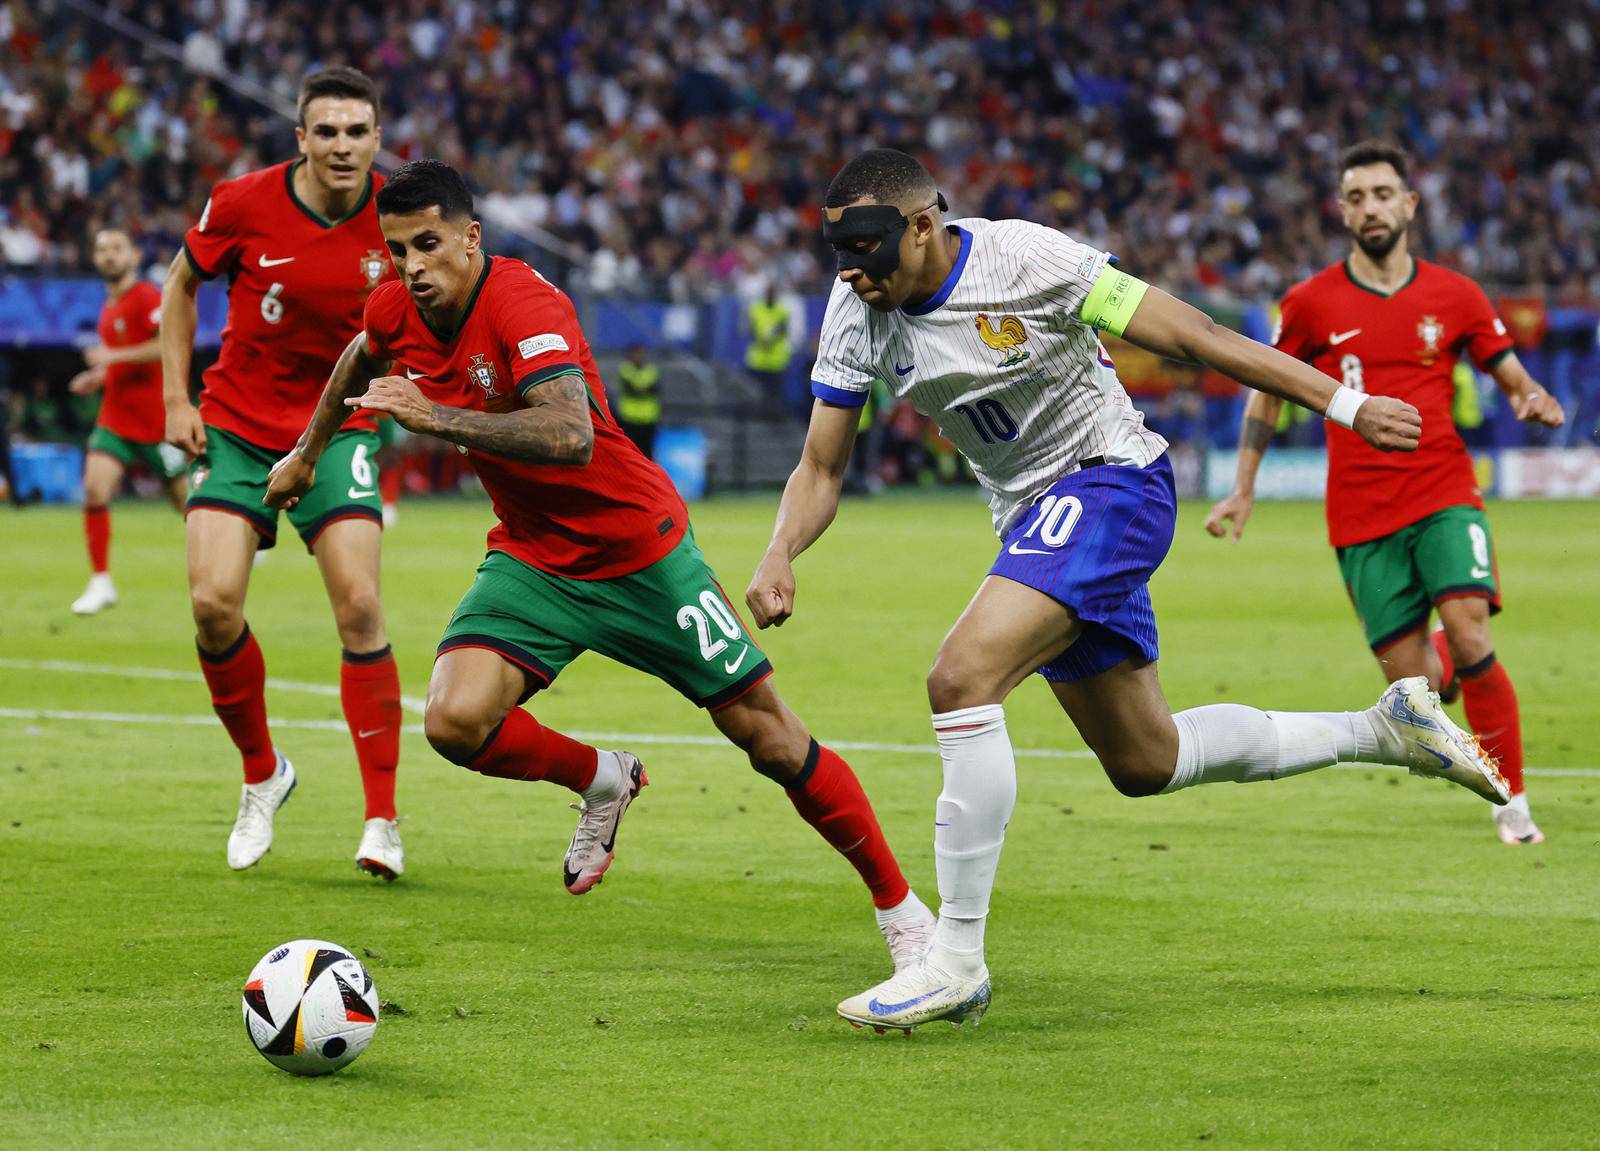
(342, 84)
(422, 184)
(1373, 152)
(884, 174)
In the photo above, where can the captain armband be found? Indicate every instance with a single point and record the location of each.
(1112, 301)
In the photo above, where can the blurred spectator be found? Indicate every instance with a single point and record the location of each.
(687, 143)
(638, 406)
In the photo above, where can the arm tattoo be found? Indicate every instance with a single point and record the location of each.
(553, 429)
(350, 375)
(1255, 434)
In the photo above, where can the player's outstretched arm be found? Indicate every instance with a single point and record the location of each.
(180, 315)
(1169, 327)
(553, 429)
(99, 356)
(1528, 398)
(1255, 433)
(291, 477)
(810, 501)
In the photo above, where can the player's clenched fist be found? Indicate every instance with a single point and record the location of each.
(185, 429)
(290, 478)
(401, 399)
(1388, 424)
(1537, 406)
(770, 595)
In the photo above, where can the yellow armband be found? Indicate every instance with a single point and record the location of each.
(1112, 301)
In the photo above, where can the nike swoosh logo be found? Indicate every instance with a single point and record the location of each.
(1016, 551)
(1480, 573)
(899, 371)
(634, 787)
(1444, 760)
(266, 263)
(358, 494)
(732, 665)
(410, 375)
(369, 734)
(890, 1008)
(1337, 338)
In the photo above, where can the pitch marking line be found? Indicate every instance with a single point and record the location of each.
(415, 705)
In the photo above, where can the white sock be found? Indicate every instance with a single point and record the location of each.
(908, 910)
(980, 790)
(607, 778)
(1233, 743)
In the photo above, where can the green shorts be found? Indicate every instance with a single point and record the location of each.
(162, 460)
(1396, 580)
(670, 620)
(232, 477)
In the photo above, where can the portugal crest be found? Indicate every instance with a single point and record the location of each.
(483, 373)
(372, 266)
(1430, 331)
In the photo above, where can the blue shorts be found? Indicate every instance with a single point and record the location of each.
(1092, 542)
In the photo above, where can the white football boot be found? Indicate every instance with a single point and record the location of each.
(1415, 730)
(99, 595)
(594, 843)
(1514, 823)
(909, 937)
(919, 994)
(258, 803)
(380, 852)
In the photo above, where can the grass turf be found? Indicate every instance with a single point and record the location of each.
(1345, 960)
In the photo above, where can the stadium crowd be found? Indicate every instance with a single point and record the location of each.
(686, 146)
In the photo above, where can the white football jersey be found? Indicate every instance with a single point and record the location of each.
(999, 359)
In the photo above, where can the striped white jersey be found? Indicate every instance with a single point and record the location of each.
(999, 359)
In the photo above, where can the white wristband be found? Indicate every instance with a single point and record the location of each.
(1345, 404)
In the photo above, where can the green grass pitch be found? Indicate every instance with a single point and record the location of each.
(1349, 959)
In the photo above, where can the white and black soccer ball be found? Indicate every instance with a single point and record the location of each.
(310, 1007)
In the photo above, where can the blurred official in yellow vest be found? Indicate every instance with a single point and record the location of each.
(639, 401)
(769, 353)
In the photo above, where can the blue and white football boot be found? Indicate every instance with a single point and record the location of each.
(917, 995)
(1414, 729)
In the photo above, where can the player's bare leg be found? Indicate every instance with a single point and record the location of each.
(473, 719)
(347, 554)
(102, 472)
(1006, 632)
(1490, 701)
(177, 491)
(828, 796)
(220, 547)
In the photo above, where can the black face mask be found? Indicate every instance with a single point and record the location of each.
(881, 222)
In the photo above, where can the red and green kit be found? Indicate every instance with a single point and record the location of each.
(597, 557)
(297, 285)
(1409, 527)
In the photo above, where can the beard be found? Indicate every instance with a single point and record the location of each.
(111, 276)
(1380, 246)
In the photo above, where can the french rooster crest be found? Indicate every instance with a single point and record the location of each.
(1008, 338)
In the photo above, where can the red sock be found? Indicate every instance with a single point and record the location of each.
(97, 531)
(523, 748)
(389, 482)
(1442, 647)
(238, 681)
(1491, 704)
(369, 688)
(830, 799)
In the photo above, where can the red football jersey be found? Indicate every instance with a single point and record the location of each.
(130, 403)
(1407, 346)
(617, 514)
(297, 282)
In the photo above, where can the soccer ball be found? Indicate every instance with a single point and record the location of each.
(310, 1007)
